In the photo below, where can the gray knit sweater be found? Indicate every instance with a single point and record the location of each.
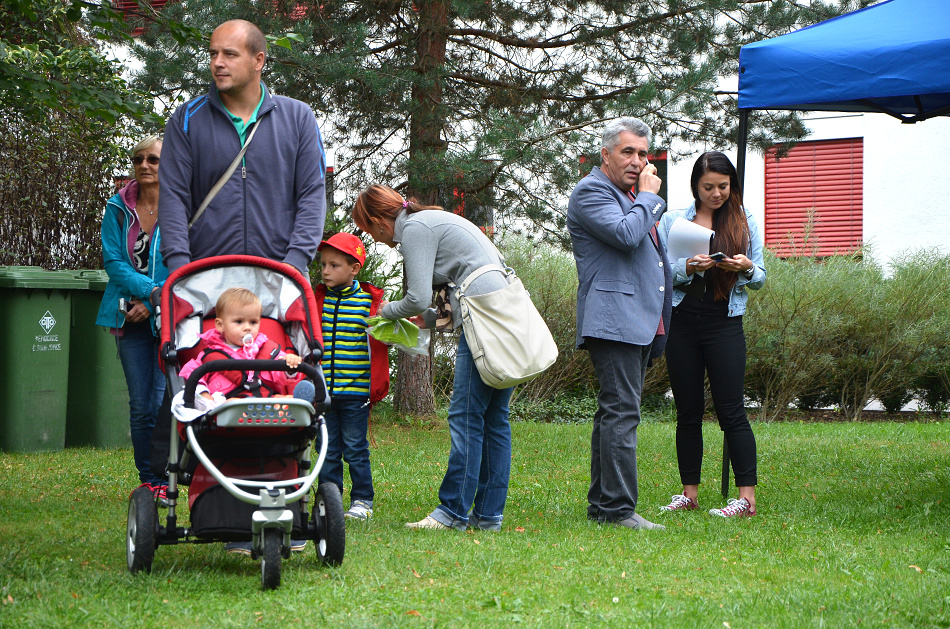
(439, 247)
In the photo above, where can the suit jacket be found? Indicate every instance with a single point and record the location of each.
(624, 281)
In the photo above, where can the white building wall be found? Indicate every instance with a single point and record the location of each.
(906, 179)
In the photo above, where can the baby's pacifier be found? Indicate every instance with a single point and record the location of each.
(248, 339)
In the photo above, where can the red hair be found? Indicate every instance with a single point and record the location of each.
(379, 204)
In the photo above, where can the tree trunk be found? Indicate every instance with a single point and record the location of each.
(412, 394)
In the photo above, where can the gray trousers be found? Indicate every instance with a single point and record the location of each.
(620, 369)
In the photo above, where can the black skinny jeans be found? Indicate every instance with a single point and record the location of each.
(700, 344)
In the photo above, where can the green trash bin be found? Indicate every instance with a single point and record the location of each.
(97, 410)
(35, 312)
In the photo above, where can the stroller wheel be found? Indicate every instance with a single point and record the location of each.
(140, 530)
(329, 525)
(270, 559)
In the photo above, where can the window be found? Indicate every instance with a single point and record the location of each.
(135, 15)
(814, 198)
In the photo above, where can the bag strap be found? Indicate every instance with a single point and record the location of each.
(477, 273)
(224, 178)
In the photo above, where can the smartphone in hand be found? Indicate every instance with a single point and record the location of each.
(719, 256)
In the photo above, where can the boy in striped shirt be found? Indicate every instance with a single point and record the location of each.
(356, 366)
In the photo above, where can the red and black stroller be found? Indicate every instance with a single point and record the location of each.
(248, 462)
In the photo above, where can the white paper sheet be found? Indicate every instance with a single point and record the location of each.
(687, 239)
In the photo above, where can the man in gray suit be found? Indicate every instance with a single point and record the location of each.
(624, 299)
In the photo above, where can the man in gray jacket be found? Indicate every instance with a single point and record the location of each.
(273, 204)
(623, 307)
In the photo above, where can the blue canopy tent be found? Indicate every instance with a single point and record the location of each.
(892, 57)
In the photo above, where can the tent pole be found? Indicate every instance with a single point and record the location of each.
(742, 145)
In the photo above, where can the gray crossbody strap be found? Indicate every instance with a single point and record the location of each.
(224, 178)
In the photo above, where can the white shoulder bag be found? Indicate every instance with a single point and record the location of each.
(508, 338)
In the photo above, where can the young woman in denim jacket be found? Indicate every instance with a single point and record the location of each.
(706, 336)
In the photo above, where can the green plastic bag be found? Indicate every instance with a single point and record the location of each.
(400, 333)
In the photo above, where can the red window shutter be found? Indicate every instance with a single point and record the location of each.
(131, 12)
(826, 176)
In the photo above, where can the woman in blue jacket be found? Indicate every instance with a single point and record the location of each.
(706, 336)
(130, 254)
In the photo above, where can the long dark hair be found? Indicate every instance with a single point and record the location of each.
(729, 222)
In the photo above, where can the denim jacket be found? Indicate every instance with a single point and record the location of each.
(738, 296)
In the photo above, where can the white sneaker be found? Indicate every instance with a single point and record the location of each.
(359, 510)
(427, 522)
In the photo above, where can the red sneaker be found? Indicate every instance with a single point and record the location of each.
(159, 491)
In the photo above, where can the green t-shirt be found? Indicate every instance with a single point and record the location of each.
(239, 125)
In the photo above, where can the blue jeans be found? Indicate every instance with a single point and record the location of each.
(138, 351)
(347, 423)
(479, 466)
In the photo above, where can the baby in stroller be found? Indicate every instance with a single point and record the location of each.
(247, 454)
(236, 334)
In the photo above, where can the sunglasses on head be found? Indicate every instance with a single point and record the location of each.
(138, 159)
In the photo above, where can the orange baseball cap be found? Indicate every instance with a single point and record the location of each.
(349, 244)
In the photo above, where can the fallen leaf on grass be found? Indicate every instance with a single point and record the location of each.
(415, 574)
(519, 529)
(558, 567)
(413, 612)
(917, 568)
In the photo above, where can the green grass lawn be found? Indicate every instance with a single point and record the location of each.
(853, 530)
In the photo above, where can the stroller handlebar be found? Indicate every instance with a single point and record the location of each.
(235, 364)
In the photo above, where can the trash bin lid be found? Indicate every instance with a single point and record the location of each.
(32, 277)
(97, 278)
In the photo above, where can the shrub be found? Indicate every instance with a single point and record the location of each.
(788, 335)
(838, 331)
(832, 332)
(550, 276)
(55, 179)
